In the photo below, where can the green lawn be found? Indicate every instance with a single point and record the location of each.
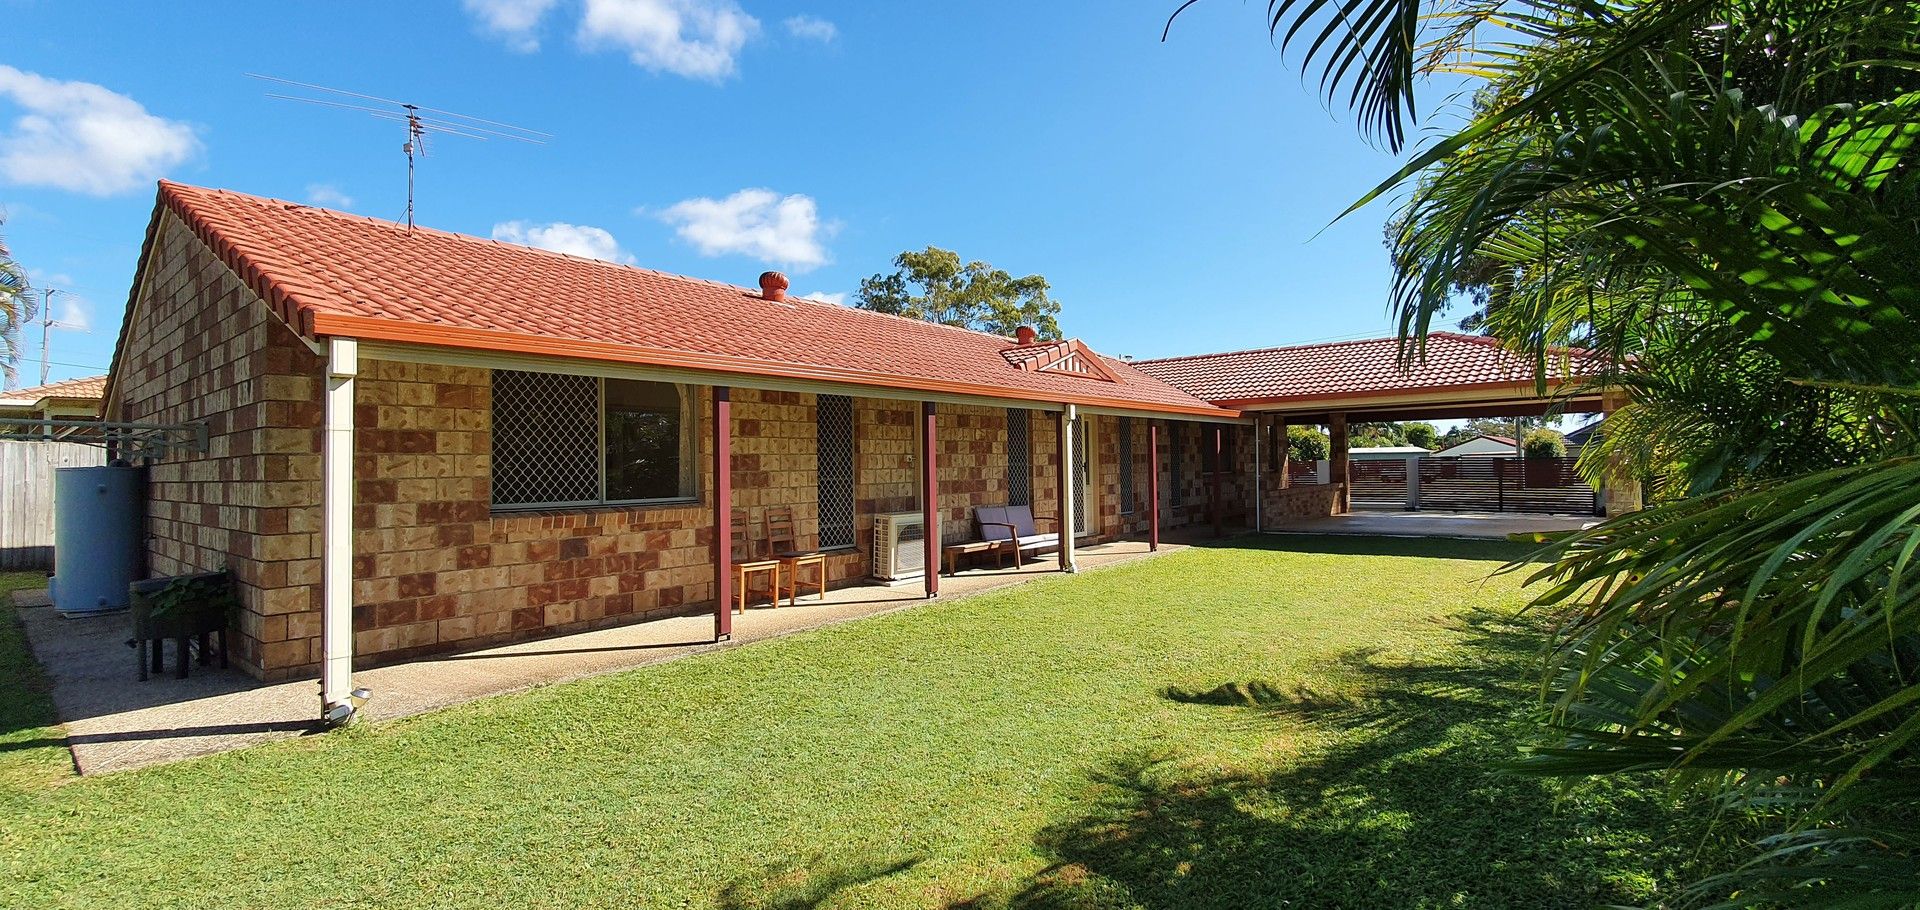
(1294, 723)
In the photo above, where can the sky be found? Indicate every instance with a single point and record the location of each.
(1180, 197)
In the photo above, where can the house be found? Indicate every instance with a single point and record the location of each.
(408, 441)
(1578, 439)
(418, 441)
(1481, 446)
(67, 399)
(1388, 453)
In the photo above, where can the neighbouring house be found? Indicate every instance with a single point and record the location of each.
(420, 441)
(416, 441)
(1482, 446)
(28, 460)
(67, 399)
(1388, 453)
(1578, 438)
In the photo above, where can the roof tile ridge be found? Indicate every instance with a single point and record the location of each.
(864, 313)
(1270, 350)
(1498, 345)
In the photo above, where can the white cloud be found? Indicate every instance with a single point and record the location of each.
(326, 194)
(754, 222)
(560, 237)
(812, 28)
(79, 136)
(837, 298)
(699, 39)
(75, 313)
(514, 21)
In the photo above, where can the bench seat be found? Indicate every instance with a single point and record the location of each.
(1014, 527)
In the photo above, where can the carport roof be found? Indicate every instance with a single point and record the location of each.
(1369, 369)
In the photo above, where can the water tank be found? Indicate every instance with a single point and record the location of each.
(96, 538)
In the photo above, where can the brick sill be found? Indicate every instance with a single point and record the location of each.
(510, 513)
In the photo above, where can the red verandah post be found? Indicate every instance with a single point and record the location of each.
(722, 513)
(930, 503)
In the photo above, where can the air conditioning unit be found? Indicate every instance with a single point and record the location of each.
(899, 547)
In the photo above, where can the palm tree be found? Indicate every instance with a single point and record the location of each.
(16, 310)
(1722, 195)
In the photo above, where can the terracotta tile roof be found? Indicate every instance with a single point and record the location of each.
(329, 273)
(1355, 369)
(84, 387)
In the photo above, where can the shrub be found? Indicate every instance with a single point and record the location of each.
(1544, 443)
(1307, 444)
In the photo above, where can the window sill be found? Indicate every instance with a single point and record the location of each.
(589, 509)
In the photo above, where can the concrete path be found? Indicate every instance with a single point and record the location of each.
(1437, 524)
(115, 722)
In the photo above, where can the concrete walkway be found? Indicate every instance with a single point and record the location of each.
(115, 722)
(1437, 524)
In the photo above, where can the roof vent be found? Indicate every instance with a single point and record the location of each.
(1025, 335)
(773, 286)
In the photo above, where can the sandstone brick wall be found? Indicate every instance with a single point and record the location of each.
(886, 459)
(1306, 501)
(202, 347)
(972, 465)
(1189, 494)
(437, 568)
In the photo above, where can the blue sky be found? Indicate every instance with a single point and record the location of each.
(1170, 192)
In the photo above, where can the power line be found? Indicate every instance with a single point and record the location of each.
(416, 119)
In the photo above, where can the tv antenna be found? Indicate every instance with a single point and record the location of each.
(420, 121)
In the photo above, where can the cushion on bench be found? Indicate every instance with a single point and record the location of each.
(1021, 517)
(990, 523)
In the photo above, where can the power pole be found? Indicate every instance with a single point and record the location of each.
(46, 329)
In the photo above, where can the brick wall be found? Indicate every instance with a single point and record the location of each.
(436, 568)
(972, 464)
(1306, 501)
(202, 347)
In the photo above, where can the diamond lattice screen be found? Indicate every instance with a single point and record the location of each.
(1126, 465)
(546, 438)
(1019, 453)
(1082, 461)
(834, 421)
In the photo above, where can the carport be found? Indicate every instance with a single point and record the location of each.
(1340, 384)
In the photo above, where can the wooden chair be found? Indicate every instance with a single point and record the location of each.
(785, 546)
(747, 567)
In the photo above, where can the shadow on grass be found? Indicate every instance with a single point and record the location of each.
(1487, 550)
(1406, 806)
(806, 890)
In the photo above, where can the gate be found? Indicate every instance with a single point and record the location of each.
(26, 497)
(1504, 485)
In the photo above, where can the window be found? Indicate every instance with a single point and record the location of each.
(1176, 443)
(577, 440)
(1214, 460)
(1126, 465)
(833, 420)
(1019, 458)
